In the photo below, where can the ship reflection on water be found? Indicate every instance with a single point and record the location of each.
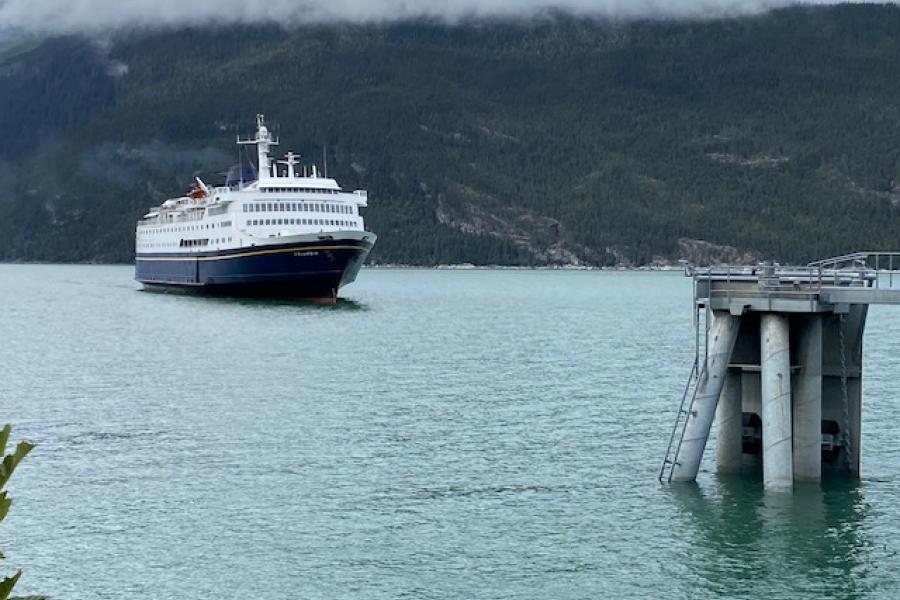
(328, 304)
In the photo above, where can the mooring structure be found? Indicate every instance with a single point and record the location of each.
(778, 365)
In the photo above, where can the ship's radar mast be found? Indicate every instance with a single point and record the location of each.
(291, 160)
(263, 141)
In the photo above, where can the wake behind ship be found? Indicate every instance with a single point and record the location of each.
(280, 233)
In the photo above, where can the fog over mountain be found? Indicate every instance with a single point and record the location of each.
(64, 16)
(553, 141)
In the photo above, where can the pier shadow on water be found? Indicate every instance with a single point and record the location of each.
(744, 542)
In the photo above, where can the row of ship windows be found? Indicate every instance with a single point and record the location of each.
(175, 229)
(332, 222)
(185, 243)
(298, 207)
(292, 190)
(193, 243)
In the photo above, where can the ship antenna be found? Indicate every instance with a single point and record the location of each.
(240, 164)
(325, 158)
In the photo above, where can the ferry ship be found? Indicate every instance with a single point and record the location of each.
(279, 231)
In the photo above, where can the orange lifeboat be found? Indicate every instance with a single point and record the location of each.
(196, 192)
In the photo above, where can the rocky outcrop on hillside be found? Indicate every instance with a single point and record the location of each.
(542, 238)
(700, 252)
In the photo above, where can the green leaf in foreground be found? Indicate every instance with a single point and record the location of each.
(7, 584)
(7, 466)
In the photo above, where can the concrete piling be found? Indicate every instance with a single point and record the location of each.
(807, 402)
(722, 336)
(729, 425)
(777, 435)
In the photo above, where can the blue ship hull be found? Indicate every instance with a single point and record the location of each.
(312, 269)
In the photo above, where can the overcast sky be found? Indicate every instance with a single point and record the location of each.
(94, 15)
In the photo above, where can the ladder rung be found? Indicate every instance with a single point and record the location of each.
(681, 423)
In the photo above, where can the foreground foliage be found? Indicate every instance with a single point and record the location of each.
(527, 143)
(10, 461)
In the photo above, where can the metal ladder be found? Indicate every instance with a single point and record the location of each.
(681, 419)
(701, 349)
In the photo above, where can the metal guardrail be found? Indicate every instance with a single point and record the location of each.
(869, 259)
(870, 262)
(859, 269)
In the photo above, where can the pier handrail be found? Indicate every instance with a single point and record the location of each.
(863, 259)
(857, 277)
(872, 261)
(768, 282)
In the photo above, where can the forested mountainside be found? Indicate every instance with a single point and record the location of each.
(554, 141)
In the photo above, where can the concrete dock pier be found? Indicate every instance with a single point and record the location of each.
(780, 368)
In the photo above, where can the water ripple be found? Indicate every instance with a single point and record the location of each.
(452, 434)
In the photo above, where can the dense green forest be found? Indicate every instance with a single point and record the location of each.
(555, 141)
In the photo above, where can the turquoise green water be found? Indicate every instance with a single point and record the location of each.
(443, 434)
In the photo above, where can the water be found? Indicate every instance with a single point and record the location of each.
(445, 434)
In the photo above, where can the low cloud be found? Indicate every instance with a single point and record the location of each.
(66, 16)
(114, 68)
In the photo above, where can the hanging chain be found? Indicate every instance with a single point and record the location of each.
(848, 450)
